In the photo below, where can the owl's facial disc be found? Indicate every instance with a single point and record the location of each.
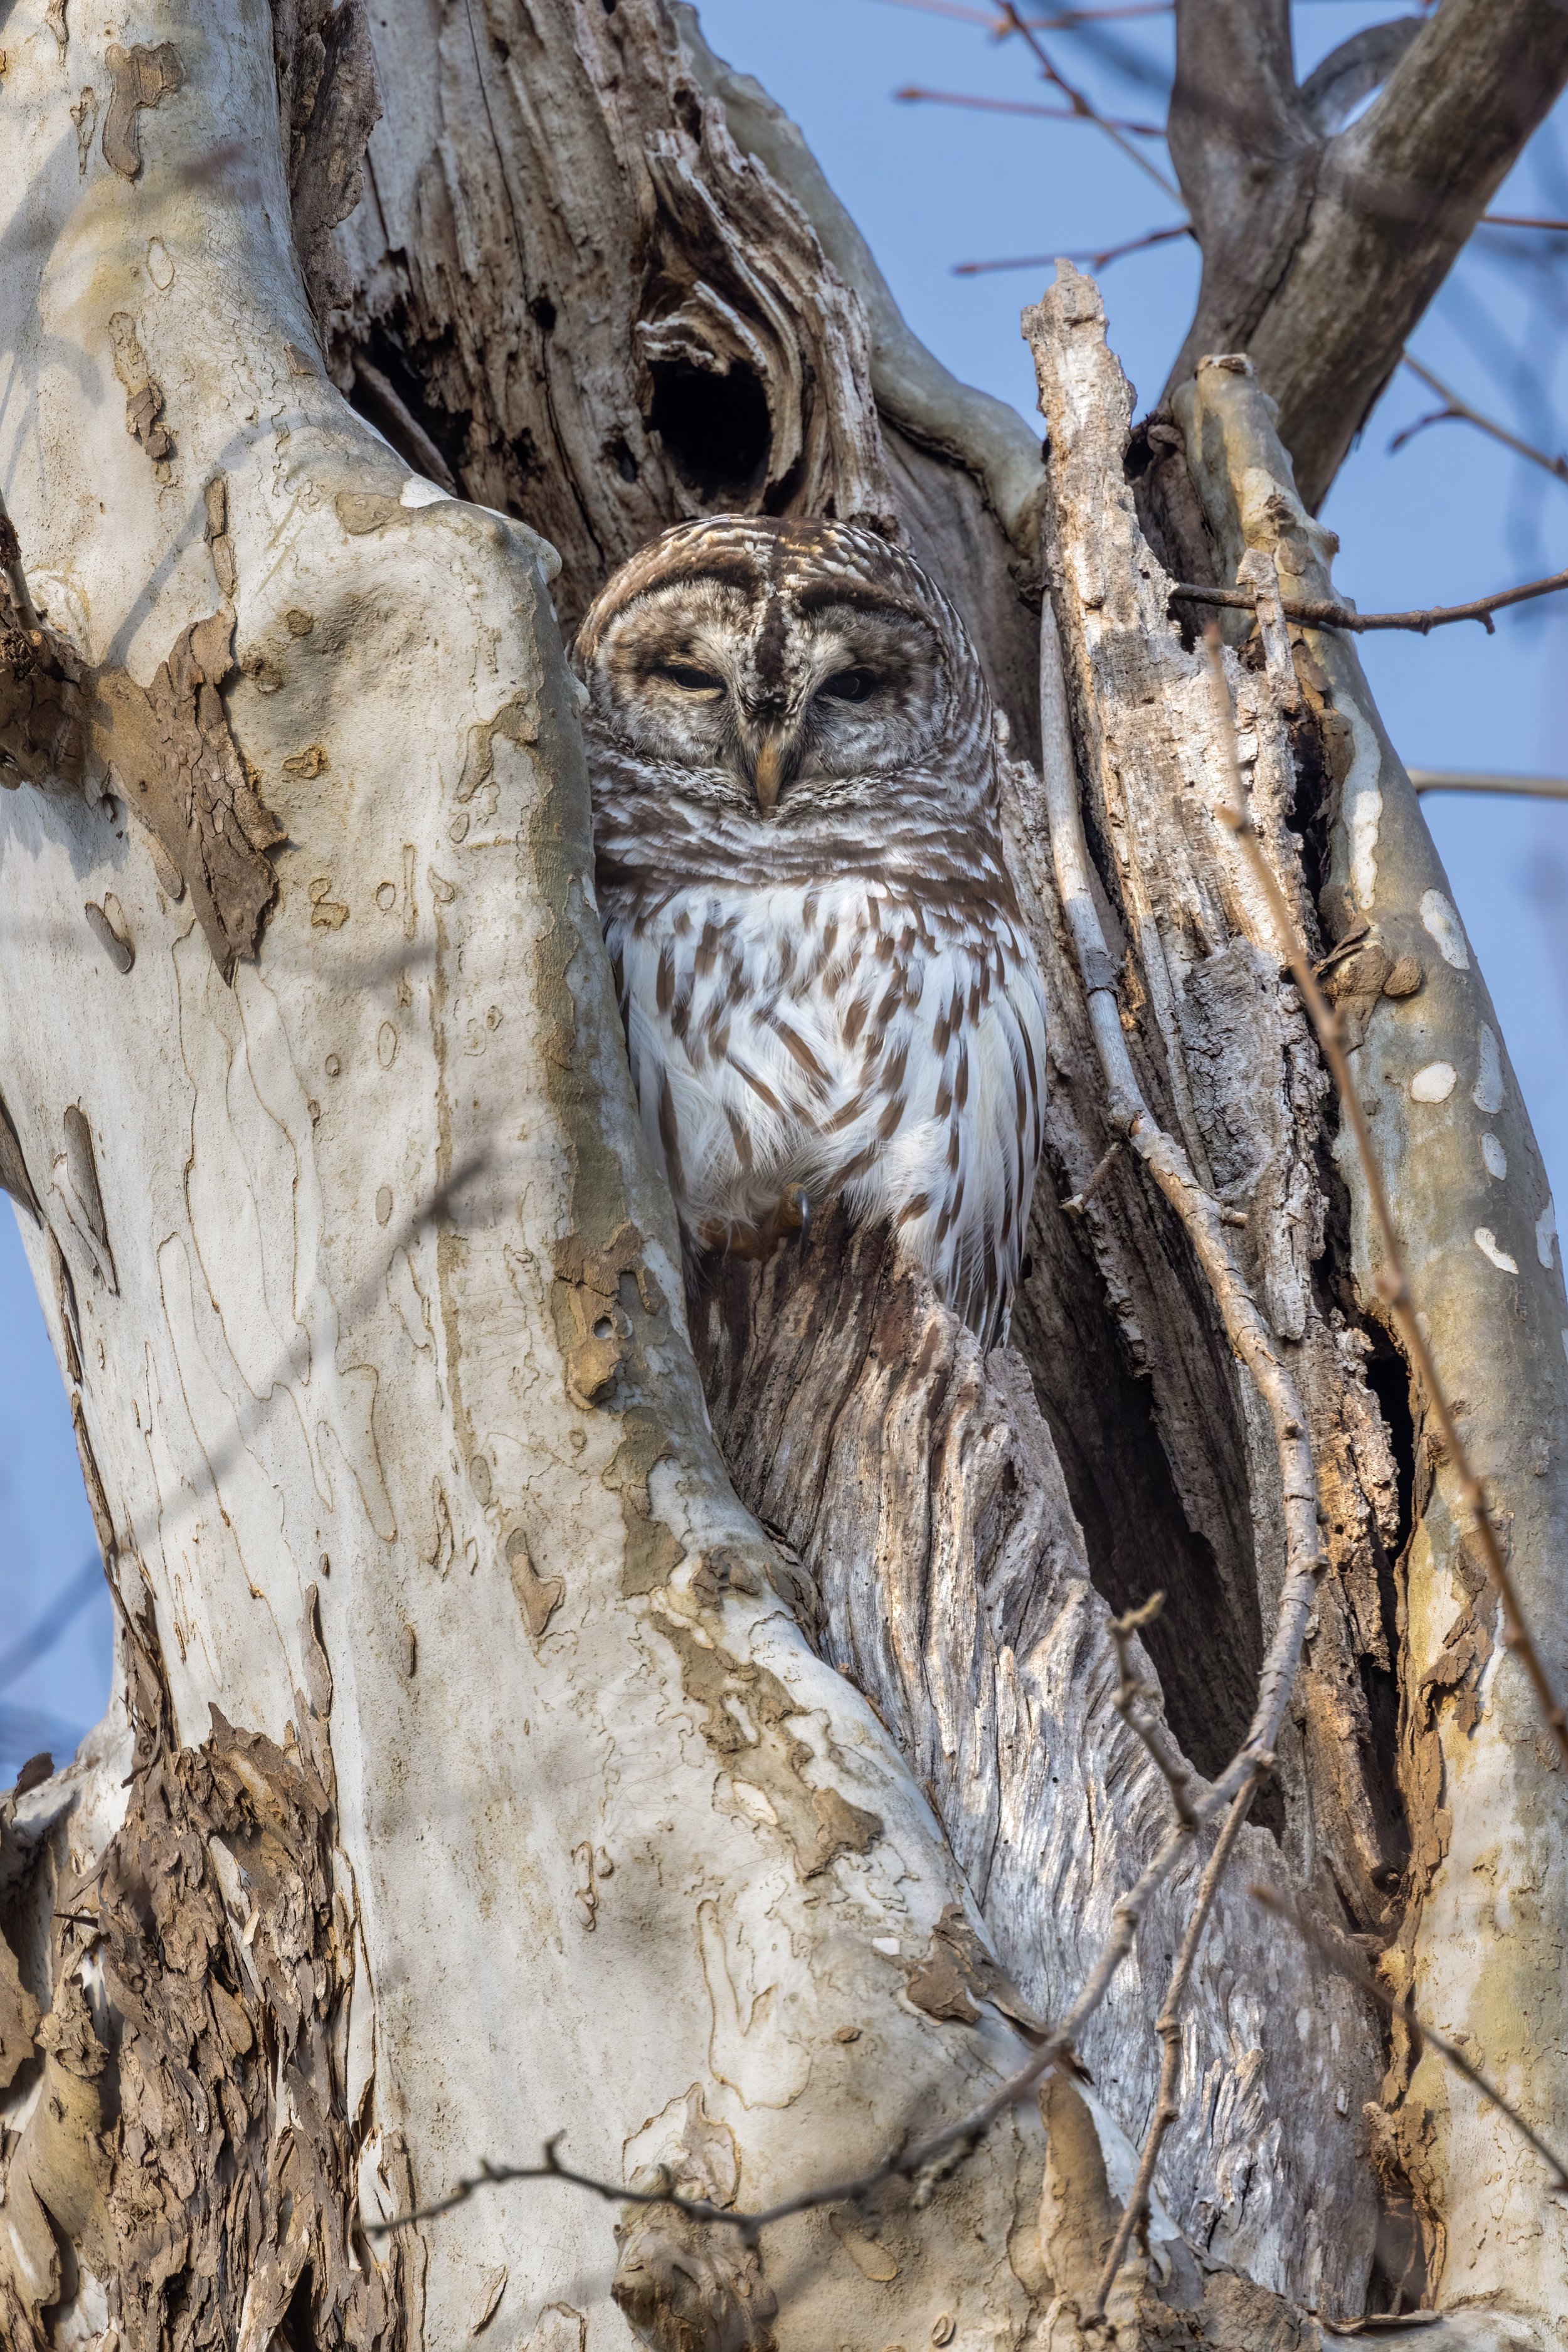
(772, 705)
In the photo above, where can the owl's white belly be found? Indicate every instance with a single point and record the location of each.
(843, 1037)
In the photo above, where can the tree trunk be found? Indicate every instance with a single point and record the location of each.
(484, 1764)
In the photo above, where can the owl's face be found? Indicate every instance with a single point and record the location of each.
(783, 670)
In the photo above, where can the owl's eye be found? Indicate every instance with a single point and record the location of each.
(848, 685)
(689, 679)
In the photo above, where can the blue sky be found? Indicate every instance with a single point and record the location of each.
(1450, 516)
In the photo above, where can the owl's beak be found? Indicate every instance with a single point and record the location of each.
(769, 772)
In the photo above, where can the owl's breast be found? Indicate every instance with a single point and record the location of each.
(818, 1034)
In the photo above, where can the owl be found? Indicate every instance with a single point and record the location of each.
(825, 983)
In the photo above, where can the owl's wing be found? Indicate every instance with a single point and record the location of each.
(958, 1168)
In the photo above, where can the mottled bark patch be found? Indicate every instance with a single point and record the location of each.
(174, 747)
(594, 1329)
(198, 2136)
(957, 1973)
(167, 749)
(685, 2286)
(140, 76)
(746, 1712)
(144, 395)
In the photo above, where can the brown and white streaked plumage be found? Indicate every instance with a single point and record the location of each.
(824, 981)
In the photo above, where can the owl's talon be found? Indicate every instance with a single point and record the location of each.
(790, 1215)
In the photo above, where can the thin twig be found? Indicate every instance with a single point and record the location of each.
(1011, 22)
(1076, 1205)
(1067, 20)
(1458, 779)
(1459, 412)
(1070, 19)
(1169, 2029)
(1393, 1284)
(1321, 616)
(1131, 1693)
(982, 16)
(1523, 220)
(1399, 2006)
(913, 95)
(1095, 261)
(495, 2175)
(903, 2163)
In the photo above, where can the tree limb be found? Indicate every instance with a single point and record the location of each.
(1459, 412)
(1319, 257)
(1322, 614)
(1247, 155)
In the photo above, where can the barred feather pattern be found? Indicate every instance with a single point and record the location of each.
(825, 980)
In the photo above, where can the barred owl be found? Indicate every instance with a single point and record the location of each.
(824, 981)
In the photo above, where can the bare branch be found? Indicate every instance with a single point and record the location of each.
(1461, 413)
(1392, 1283)
(1095, 261)
(912, 95)
(1066, 20)
(1011, 22)
(1076, 1206)
(1400, 2007)
(1130, 1694)
(947, 8)
(1333, 90)
(549, 2168)
(1246, 155)
(1343, 616)
(1169, 2028)
(1454, 780)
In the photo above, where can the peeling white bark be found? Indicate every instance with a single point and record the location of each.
(607, 1849)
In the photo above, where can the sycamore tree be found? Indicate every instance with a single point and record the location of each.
(713, 1755)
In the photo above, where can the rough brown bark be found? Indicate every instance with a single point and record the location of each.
(657, 333)
(196, 2119)
(916, 1483)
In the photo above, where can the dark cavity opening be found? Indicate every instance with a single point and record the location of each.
(1207, 1646)
(389, 389)
(298, 2330)
(1388, 1378)
(715, 430)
